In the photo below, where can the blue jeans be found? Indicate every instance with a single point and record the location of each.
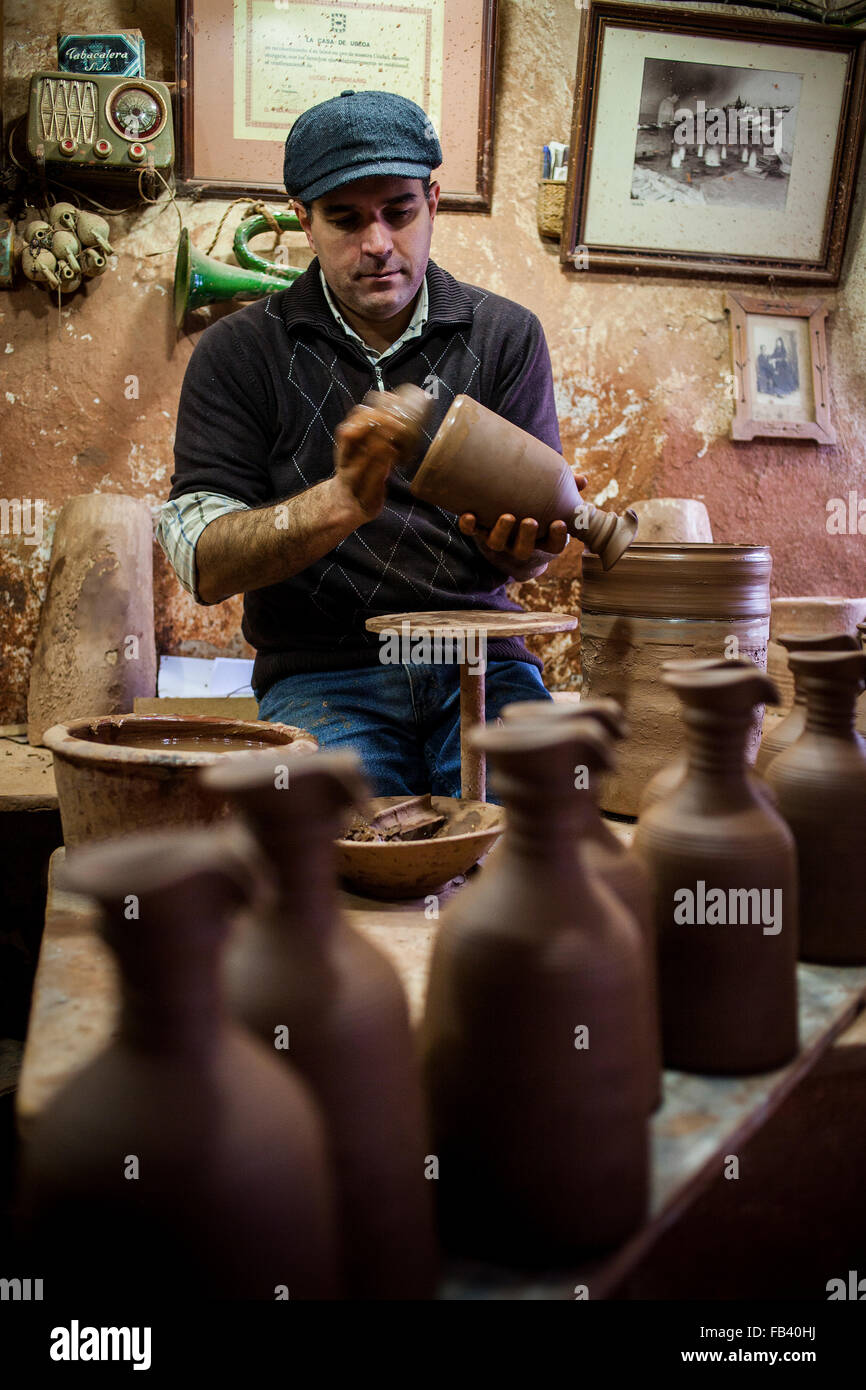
(403, 721)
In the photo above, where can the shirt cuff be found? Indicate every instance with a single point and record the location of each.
(182, 521)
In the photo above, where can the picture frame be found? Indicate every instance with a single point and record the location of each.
(703, 144)
(781, 391)
(240, 84)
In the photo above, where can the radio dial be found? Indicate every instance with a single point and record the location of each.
(137, 153)
(68, 146)
(102, 149)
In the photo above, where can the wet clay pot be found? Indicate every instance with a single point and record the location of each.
(820, 783)
(95, 645)
(298, 970)
(812, 615)
(184, 1162)
(781, 733)
(673, 772)
(664, 603)
(536, 1029)
(480, 462)
(140, 771)
(605, 855)
(723, 868)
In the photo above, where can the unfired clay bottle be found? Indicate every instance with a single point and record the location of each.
(606, 856)
(299, 972)
(536, 1029)
(723, 867)
(786, 731)
(820, 782)
(673, 772)
(184, 1162)
(480, 462)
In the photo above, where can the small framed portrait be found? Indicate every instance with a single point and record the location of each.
(780, 374)
(705, 144)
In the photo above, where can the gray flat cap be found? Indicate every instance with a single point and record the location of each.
(353, 136)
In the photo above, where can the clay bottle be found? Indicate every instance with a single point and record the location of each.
(536, 1029)
(605, 855)
(786, 731)
(480, 462)
(820, 782)
(673, 772)
(184, 1161)
(723, 867)
(298, 971)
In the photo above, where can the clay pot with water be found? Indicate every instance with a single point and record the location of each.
(184, 1162)
(820, 783)
(723, 867)
(297, 969)
(537, 1028)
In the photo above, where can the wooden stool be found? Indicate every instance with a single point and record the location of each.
(463, 627)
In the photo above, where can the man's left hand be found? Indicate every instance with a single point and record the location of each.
(515, 546)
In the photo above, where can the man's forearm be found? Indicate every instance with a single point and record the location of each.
(247, 550)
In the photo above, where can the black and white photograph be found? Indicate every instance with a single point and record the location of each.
(779, 354)
(715, 133)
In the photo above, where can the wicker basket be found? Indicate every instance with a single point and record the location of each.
(550, 209)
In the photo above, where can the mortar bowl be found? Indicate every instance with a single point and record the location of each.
(124, 772)
(406, 869)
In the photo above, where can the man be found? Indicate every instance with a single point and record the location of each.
(278, 493)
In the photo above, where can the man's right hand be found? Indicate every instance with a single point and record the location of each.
(370, 441)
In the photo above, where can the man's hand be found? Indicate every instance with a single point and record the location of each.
(515, 547)
(366, 451)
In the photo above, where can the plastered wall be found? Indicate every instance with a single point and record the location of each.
(88, 398)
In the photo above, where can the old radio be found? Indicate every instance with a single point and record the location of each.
(89, 124)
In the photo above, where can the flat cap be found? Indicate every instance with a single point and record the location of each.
(354, 136)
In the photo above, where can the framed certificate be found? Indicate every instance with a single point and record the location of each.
(246, 69)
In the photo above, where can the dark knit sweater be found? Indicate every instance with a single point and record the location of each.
(262, 396)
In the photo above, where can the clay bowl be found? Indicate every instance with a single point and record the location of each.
(411, 868)
(123, 772)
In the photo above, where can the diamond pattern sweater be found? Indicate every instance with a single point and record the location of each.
(263, 393)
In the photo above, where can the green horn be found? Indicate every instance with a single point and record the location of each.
(200, 279)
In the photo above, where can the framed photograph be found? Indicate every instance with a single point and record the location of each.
(780, 374)
(246, 69)
(704, 144)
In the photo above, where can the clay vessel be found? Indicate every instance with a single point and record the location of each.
(480, 462)
(672, 519)
(665, 602)
(536, 1029)
(781, 733)
(673, 772)
(95, 647)
(723, 867)
(813, 614)
(605, 854)
(185, 1161)
(297, 965)
(820, 782)
(140, 771)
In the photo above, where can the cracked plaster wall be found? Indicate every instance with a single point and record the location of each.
(640, 364)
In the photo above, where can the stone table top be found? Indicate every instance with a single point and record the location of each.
(460, 621)
(26, 774)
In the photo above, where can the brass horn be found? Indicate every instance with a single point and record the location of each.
(201, 279)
